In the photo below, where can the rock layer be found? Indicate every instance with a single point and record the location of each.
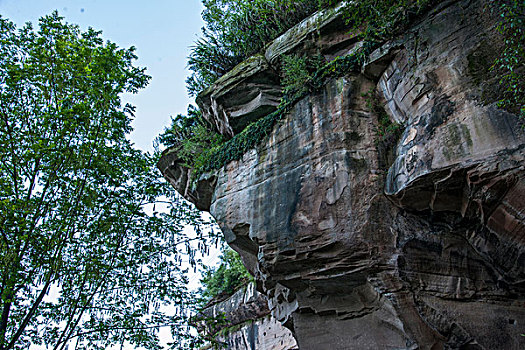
(428, 254)
(243, 321)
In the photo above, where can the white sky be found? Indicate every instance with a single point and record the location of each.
(161, 30)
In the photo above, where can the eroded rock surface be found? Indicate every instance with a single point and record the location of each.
(199, 192)
(243, 321)
(428, 254)
(250, 91)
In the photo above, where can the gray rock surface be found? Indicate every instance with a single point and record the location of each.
(246, 323)
(199, 192)
(248, 92)
(262, 334)
(427, 254)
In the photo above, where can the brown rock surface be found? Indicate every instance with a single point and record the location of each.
(250, 91)
(179, 176)
(427, 255)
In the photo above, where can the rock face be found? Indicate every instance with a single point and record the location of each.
(250, 91)
(246, 323)
(428, 254)
(180, 178)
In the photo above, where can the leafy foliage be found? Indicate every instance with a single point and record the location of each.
(383, 19)
(192, 137)
(297, 71)
(511, 63)
(81, 260)
(236, 29)
(227, 278)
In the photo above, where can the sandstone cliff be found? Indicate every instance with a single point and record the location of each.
(359, 247)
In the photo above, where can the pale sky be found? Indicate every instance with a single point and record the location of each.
(161, 30)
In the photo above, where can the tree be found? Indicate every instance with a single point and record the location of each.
(510, 64)
(74, 195)
(225, 280)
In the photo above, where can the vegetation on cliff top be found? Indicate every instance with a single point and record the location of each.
(377, 20)
(237, 29)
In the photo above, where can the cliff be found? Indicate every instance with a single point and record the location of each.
(359, 243)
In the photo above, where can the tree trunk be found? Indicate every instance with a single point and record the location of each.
(3, 322)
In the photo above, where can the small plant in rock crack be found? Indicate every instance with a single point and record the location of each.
(385, 127)
(510, 64)
(297, 72)
(193, 137)
(389, 132)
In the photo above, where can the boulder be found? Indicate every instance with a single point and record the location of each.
(198, 191)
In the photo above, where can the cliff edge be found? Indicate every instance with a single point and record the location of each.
(360, 244)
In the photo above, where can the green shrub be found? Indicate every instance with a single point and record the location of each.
(192, 137)
(297, 71)
(227, 278)
(383, 19)
(511, 63)
(236, 29)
